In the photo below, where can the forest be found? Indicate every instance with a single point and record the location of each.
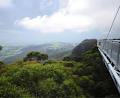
(79, 75)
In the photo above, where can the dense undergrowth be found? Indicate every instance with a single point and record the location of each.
(87, 78)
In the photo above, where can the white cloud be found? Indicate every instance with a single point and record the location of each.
(58, 22)
(5, 3)
(75, 15)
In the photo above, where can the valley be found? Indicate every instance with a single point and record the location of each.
(58, 50)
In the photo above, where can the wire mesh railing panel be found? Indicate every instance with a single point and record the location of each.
(112, 49)
(114, 55)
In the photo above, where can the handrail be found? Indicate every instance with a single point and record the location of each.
(110, 51)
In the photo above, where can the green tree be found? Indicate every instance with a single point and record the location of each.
(43, 56)
(0, 47)
(67, 58)
(8, 90)
(37, 56)
(1, 64)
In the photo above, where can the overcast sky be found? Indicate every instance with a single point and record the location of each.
(43, 21)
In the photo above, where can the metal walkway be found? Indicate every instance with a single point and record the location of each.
(110, 51)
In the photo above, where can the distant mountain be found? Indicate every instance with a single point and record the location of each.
(81, 48)
(9, 51)
(85, 45)
(54, 50)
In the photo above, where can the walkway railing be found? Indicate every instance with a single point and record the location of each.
(110, 51)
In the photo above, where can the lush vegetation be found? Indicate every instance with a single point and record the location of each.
(0, 47)
(84, 77)
(36, 56)
(1, 63)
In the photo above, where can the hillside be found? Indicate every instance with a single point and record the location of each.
(84, 46)
(87, 53)
(8, 51)
(54, 50)
(81, 78)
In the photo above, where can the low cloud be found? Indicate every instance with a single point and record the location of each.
(58, 22)
(75, 15)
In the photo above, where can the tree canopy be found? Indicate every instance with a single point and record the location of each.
(84, 77)
(0, 47)
(37, 56)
